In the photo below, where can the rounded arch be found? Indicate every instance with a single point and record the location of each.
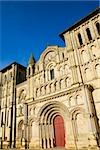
(75, 111)
(21, 91)
(20, 129)
(55, 104)
(46, 116)
(79, 124)
(47, 51)
(51, 65)
(20, 122)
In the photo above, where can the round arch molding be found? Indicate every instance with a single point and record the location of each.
(48, 50)
(46, 117)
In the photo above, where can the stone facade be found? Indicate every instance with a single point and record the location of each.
(64, 82)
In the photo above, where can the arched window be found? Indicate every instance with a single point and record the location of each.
(80, 39)
(52, 74)
(98, 27)
(89, 34)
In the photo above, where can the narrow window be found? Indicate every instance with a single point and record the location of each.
(10, 75)
(7, 117)
(33, 68)
(29, 71)
(38, 68)
(98, 27)
(5, 79)
(2, 119)
(89, 34)
(80, 39)
(52, 74)
(63, 55)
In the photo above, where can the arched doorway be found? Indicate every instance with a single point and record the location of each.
(49, 115)
(59, 131)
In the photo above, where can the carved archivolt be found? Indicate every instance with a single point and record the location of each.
(50, 56)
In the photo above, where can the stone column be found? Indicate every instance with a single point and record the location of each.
(82, 34)
(47, 136)
(46, 76)
(85, 34)
(40, 135)
(9, 125)
(92, 30)
(14, 126)
(43, 136)
(25, 123)
(51, 135)
(3, 132)
(91, 111)
(74, 75)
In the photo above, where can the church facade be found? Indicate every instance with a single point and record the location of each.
(55, 102)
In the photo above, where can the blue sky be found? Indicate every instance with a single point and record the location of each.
(29, 26)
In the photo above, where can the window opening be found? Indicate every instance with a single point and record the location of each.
(98, 27)
(52, 74)
(89, 34)
(80, 39)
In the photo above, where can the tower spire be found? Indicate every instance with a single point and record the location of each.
(31, 60)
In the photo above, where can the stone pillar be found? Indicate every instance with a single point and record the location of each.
(92, 30)
(47, 136)
(14, 126)
(40, 135)
(51, 135)
(74, 75)
(46, 76)
(43, 136)
(3, 132)
(9, 125)
(91, 111)
(85, 34)
(25, 123)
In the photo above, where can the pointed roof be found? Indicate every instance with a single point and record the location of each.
(31, 60)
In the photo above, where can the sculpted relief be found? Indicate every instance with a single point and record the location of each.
(50, 56)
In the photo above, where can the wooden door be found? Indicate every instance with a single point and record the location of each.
(59, 132)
